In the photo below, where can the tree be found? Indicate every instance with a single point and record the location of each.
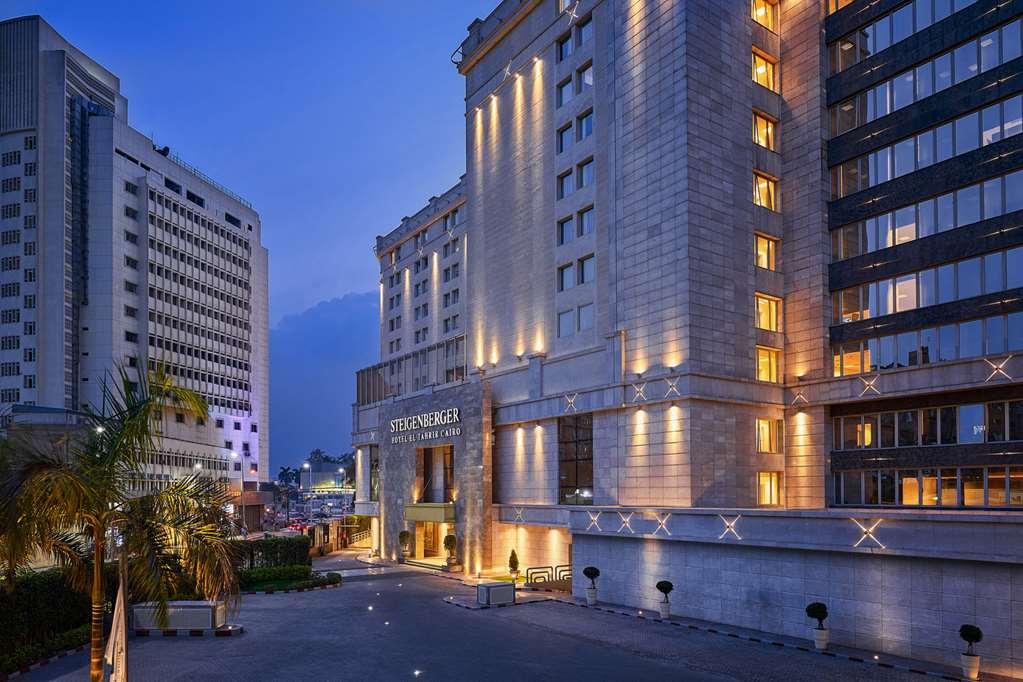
(168, 541)
(287, 488)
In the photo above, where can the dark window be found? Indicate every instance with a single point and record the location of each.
(231, 219)
(575, 459)
(907, 428)
(172, 186)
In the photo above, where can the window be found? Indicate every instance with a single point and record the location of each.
(565, 185)
(585, 317)
(585, 30)
(564, 92)
(586, 173)
(566, 324)
(575, 459)
(565, 48)
(584, 126)
(765, 13)
(584, 78)
(566, 231)
(587, 269)
(763, 131)
(763, 72)
(769, 435)
(765, 251)
(585, 221)
(131, 213)
(564, 138)
(764, 191)
(768, 488)
(767, 364)
(566, 277)
(766, 312)
(130, 187)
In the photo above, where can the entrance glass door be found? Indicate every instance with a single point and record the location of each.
(431, 546)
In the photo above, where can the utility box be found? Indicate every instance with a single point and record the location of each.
(495, 594)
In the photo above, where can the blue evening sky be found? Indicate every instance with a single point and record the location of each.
(334, 119)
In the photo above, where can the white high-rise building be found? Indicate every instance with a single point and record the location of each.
(115, 252)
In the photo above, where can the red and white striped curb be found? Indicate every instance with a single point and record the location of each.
(297, 589)
(40, 663)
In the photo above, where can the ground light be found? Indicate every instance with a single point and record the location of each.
(417, 673)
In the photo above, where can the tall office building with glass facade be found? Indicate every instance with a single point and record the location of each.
(117, 253)
(740, 306)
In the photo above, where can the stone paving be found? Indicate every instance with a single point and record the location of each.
(389, 626)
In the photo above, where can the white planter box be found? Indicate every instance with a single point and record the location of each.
(181, 615)
(495, 593)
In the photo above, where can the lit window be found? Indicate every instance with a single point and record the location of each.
(767, 312)
(765, 251)
(767, 364)
(763, 72)
(769, 434)
(768, 488)
(763, 131)
(765, 13)
(765, 191)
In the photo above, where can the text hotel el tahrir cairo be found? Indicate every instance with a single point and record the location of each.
(423, 426)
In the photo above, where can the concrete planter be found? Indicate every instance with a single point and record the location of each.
(971, 665)
(665, 610)
(820, 639)
(591, 596)
(181, 615)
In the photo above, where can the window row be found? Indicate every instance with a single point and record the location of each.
(567, 44)
(582, 271)
(959, 64)
(578, 132)
(964, 134)
(193, 284)
(583, 176)
(188, 237)
(965, 206)
(200, 220)
(577, 226)
(947, 425)
(576, 320)
(890, 29)
(987, 274)
(575, 85)
(945, 487)
(964, 340)
(158, 247)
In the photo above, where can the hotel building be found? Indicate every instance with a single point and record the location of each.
(117, 253)
(738, 301)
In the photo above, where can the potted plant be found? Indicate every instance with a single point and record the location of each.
(513, 566)
(665, 587)
(450, 542)
(819, 612)
(403, 540)
(591, 572)
(971, 634)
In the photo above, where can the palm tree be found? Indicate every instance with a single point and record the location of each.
(167, 541)
(287, 477)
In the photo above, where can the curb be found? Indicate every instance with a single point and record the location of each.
(40, 663)
(226, 631)
(484, 607)
(760, 640)
(299, 589)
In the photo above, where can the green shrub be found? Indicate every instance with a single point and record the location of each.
(320, 581)
(30, 653)
(513, 561)
(818, 612)
(664, 587)
(42, 606)
(971, 634)
(272, 552)
(272, 573)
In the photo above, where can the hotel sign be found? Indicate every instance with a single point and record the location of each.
(426, 426)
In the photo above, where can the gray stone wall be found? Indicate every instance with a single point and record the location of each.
(472, 470)
(899, 605)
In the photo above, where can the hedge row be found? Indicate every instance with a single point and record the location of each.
(27, 654)
(263, 575)
(269, 552)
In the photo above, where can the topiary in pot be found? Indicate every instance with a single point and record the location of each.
(403, 540)
(665, 587)
(971, 634)
(513, 566)
(450, 543)
(591, 572)
(819, 612)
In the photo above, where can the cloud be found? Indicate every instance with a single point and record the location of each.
(313, 358)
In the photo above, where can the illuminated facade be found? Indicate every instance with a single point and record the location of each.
(772, 367)
(115, 252)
